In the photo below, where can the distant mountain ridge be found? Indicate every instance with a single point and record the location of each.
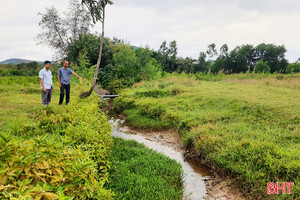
(16, 61)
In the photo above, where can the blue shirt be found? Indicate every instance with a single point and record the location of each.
(46, 75)
(65, 75)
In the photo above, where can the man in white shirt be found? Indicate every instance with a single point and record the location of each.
(45, 76)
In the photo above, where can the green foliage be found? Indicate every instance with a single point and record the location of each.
(84, 68)
(121, 66)
(153, 93)
(241, 59)
(186, 65)
(128, 67)
(166, 56)
(91, 44)
(125, 61)
(293, 68)
(262, 67)
(60, 31)
(23, 69)
(237, 122)
(97, 8)
(151, 70)
(47, 167)
(140, 173)
(61, 154)
(137, 120)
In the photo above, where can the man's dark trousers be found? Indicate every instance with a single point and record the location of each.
(62, 94)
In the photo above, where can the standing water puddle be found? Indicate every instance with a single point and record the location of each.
(193, 177)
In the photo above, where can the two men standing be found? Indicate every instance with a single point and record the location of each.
(64, 76)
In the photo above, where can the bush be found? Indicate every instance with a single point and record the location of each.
(121, 104)
(153, 93)
(46, 167)
(262, 67)
(115, 86)
(64, 155)
(293, 68)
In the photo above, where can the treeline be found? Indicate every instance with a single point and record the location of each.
(264, 58)
(123, 65)
(23, 69)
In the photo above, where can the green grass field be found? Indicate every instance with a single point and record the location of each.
(246, 125)
(28, 129)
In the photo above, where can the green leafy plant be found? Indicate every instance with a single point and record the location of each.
(262, 67)
(63, 155)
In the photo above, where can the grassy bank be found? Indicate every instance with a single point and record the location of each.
(246, 125)
(140, 173)
(66, 152)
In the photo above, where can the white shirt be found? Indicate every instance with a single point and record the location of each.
(46, 75)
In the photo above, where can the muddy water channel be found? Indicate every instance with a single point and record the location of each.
(194, 177)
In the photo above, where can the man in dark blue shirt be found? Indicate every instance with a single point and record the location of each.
(64, 76)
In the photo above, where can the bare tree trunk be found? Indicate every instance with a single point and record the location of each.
(87, 94)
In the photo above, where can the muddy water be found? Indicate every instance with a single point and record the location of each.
(193, 177)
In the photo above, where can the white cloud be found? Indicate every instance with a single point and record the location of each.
(193, 23)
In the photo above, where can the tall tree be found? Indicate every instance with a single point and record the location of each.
(247, 53)
(274, 55)
(224, 50)
(212, 51)
(201, 63)
(58, 32)
(97, 10)
(163, 55)
(167, 56)
(172, 54)
(81, 20)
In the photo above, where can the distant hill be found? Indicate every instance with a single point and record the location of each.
(16, 61)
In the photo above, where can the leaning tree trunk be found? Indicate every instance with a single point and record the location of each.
(87, 94)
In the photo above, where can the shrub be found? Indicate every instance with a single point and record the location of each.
(293, 68)
(153, 93)
(262, 67)
(115, 86)
(46, 167)
(176, 91)
(63, 155)
(120, 104)
(151, 70)
(151, 110)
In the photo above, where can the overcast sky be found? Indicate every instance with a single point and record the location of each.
(192, 23)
